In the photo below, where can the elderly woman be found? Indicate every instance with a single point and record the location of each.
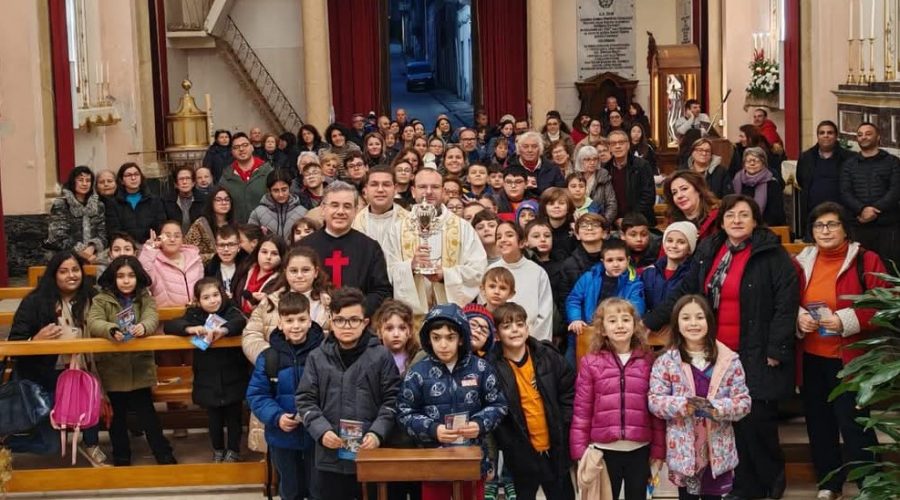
(55, 310)
(757, 181)
(185, 202)
(541, 173)
(832, 270)
(133, 209)
(753, 287)
(105, 184)
(560, 157)
(217, 212)
(689, 199)
(704, 162)
(77, 217)
(598, 182)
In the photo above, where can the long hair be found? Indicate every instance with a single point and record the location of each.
(555, 194)
(677, 339)
(391, 307)
(48, 291)
(600, 342)
(243, 271)
(320, 285)
(210, 214)
(107, 280)
(317, 137)
(708, 200)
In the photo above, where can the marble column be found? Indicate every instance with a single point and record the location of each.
(541, 71)
(316, 63)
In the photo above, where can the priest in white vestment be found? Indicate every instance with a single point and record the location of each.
(453, 249)
(378, 218)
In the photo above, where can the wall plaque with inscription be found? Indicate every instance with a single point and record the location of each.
(606, 37)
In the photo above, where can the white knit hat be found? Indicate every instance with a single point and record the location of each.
(689, 230)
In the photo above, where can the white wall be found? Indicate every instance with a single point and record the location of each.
(273, 29)
(656, 16)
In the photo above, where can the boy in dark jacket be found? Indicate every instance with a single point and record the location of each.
(539, 386)
(347, 396)
(643, 245)
(272, 399)
(450, 382)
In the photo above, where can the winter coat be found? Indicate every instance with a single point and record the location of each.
(172, 286)
(365, 391)
(671, 383)
(640, 188)
(547, 175)
(267, 406)
(585, 295)
(611, 403)
(431, 391)
(264, 319)
(564, 242)
(648, 156)
(603, 194)
(773, 214)
(174, 211)
(245, 196)
(572, 268)
(856, 321)
(716, 175)
(220, 374)
(124, 371)
(279, 218)
(770, 298)
(149, 213)
(34, 313)
(872, 182)
(806, 177)
(656, 286)
(555, 381)
(202, 236)
(218, 158)
(73, 225)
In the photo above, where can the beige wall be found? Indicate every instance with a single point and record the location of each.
(272, 28)
(825, 47)
(26, 128)
(656, 16)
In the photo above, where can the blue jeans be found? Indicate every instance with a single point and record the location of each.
(570, 348)
(294, 470)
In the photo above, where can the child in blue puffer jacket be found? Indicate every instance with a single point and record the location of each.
(271, 394)
(450, 382)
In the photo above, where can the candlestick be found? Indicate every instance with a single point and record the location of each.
(861, 20)
(851, 78)
(889, 41)
(872, 29)
(871, 77)
(107, 73)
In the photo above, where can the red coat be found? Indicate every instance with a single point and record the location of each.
(857, 322)
(769, 130)
(611, 404)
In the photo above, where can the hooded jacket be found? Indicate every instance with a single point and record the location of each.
(555, 381)
(611, 403)
(365, 391)
(656, 286)
(431, 390)
(585, 295)
(269, 405)
(671, 383)
(73, 225)
(279, 218)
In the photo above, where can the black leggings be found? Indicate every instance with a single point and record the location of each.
(222, 417)
(630, 467)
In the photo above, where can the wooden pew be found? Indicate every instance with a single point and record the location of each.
(458, 464)
(783, 232)
(143, 476)
(6, 317)
(795, 248)
(36, 272)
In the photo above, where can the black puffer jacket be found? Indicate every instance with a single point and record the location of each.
(173, 209)
(640, 188)
(872, 182)
(217, 159)
(806, 177)
(555, 381)
(149, 213)
(770, 298)
(220, 374)
(572, 268)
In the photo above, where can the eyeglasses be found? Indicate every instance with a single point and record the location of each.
(343, 322)
(514, 182)
(618, 143)
(703, 151)
(830, 226)
(356, 164)
(241, 146)
(478, 327)
(131, 175)
(226, 245)
(590, 225)
(171, 236)
(222, 200)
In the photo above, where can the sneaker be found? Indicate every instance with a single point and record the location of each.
(828, 495)
(490, 491)
(218, 456)
(232, 457)
(509, 491)
(94, 455)
(180, 433)
(167, 459)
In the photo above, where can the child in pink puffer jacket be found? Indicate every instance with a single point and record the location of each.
(698, 387)
(611, 409)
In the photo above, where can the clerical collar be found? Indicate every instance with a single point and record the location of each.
(331, 233)
(386, 212)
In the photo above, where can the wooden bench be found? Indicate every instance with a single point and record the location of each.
(459, 464)
(36, 272)
(795, 248)
(783, 232)
(142, 476)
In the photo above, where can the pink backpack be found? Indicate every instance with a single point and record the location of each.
(76, 403)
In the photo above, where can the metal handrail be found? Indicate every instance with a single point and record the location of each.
(275, 98)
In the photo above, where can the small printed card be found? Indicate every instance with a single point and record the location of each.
(213, 322)
(456, 421)
(351, 439)
(200, 342)
(820, 311)
(125, 320)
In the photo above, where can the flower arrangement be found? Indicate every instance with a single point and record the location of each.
(764, 77)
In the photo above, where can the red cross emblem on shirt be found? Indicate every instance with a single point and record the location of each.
(336, 262)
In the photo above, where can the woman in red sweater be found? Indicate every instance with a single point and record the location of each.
(831, 270)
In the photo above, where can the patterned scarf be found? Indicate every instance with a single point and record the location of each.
(718, 278)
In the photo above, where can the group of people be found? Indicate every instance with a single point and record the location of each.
(362, 330)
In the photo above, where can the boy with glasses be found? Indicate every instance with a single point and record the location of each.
(342, 414)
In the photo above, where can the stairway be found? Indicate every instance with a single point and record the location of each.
(218, 30)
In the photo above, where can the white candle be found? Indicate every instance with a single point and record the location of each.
(872, 31)
(850, 32)
(861, 31)
(107, 73)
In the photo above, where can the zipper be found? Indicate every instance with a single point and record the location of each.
(621, 396)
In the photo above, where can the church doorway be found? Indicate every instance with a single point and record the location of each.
(430, 43)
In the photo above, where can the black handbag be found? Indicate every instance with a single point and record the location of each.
(23, 404)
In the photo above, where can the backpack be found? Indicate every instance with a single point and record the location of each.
(76, 403)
